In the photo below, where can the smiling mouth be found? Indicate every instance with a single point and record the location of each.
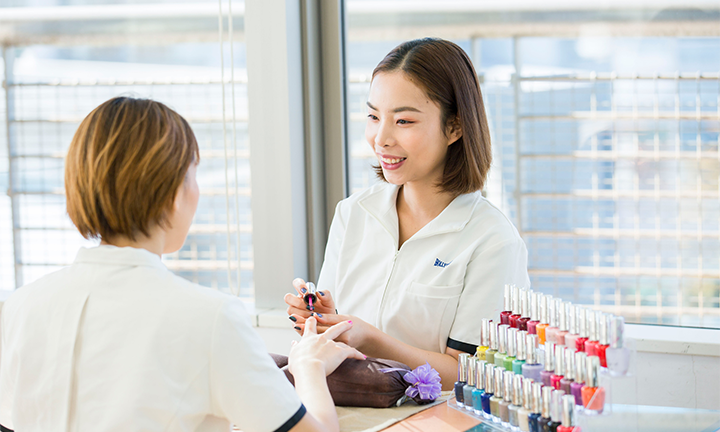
(392, 161)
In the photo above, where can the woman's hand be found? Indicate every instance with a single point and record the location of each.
(358, 336)
(297, 307)
(321, 349)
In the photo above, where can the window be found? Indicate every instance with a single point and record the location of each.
(58, 70)
(605, 128)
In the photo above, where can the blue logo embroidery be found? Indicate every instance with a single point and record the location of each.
(442, 264)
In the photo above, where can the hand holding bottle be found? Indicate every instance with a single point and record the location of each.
(297, 307)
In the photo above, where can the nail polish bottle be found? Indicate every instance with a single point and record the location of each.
(511, 349)
(524, 309)
(520, 352)
(497, 396)
(534, 312)
(484, 339)
(310, 297)
(559, 367)
(556, 410)
(569, 375)
(603, 339)
(593, 340)
(568, 415)
(489, 389)
(549, 369)
(526, 410)
(536, 407)
(470, 385)
(504, 405)
(572, 335)
(544, 420)
(515, 307)
(577, 386)
(479, 387)
(502, 346)
(532, 368)
(562, 322)
(553, 310)
(492, 338)
(545, 300)
(463, 359)
(507, 306)
(618, 357)
(582, 328)
(517, 401)
(593, 396)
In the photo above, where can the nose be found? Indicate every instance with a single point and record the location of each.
(384, 136)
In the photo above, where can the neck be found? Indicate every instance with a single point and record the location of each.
(426, 201)
(154, 243)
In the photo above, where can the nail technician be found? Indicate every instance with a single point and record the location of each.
(417, 260)
(116, 341)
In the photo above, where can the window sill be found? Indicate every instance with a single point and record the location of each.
(675, 340)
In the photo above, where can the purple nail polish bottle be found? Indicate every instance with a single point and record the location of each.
(546, 375)
(532, 367)
(576, 387)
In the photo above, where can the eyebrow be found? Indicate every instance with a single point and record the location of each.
(398, 109)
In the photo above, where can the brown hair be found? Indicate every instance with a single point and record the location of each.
(124, 167)
(446, 74)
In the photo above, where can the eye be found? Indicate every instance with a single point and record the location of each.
(372, 117)
(404, 122)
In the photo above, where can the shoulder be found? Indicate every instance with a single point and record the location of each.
(379, 195)
(494, 223)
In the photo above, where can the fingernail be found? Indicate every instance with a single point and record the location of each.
(322, 293)
(308, 307)
(303, 290)
(319, 315)
(349, 322)
(297, 328)
(365, 356)
(292, 318)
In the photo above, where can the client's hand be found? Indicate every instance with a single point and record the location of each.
(358, 336)
(297, 307)
(321, 349)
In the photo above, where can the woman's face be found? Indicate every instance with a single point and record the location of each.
(184, 207)
(404, 130)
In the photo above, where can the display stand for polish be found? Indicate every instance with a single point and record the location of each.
(487, 422)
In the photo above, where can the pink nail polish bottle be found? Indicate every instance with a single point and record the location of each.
(562, 322)
(559, 367)
(593, 339)
(572, 335)
(534, 313)
(553, 309)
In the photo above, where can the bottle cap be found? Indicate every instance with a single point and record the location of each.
(617, 331)
(544, 315)
(591, 324)
(498, 372)
(559, 313)
(536, 398)
(485, 332)
(480, 374)
(493, 335)
(546, 401)
(572, 325)
(592, 371)
(556, 408)
(462, 366)
(527, 385)
(603, 329)
(549, 356)
(534, 306)
(507, 304)
(568, 410)
(524, 303)
(502, 338)
(518, 390)
(508, 386)
(515, 300)
(580, 320)
(569, 363)
(559, 359)
(520, 348)
(511, 341)
(552, 313)
(562, 316)
(471, 367)
(580, 357)
(531, 342)
(489, 378)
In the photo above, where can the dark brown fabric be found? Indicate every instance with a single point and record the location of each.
(359, 383)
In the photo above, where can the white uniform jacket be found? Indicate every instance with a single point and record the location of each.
(433, 291)
(116, 342)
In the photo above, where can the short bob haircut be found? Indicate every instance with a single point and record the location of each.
(446, 74)
(124, 167)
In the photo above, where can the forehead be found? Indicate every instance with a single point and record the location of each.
(390, 90)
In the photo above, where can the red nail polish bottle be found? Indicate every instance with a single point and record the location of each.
(507, 309)
(515, 307)
(580, 313)
(524, 310)
(568, 415)
(559, 367)
(604, 342)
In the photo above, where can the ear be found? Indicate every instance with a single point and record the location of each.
(454, 131)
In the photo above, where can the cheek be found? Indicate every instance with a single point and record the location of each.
(370, 133)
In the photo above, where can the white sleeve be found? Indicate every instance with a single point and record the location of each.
(7, 382)
(486, 275)
(246, 387)
(328, 272)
